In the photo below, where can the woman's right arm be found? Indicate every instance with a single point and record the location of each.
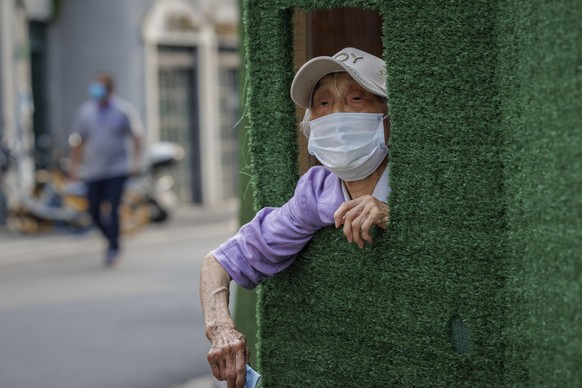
(228, 353)
(263, 247)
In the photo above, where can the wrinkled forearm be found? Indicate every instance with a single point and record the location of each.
(214, 296)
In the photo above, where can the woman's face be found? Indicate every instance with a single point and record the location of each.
(338, 92)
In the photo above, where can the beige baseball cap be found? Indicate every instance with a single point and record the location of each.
(366, 69)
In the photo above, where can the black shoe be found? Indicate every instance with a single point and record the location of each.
(112, 258)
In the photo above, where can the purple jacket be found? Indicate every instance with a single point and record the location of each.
(270, 242)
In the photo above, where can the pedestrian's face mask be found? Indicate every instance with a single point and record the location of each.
(97, 91)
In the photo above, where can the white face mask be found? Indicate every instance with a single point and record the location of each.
(351, 145)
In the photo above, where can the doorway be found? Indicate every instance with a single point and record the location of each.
(179, 116)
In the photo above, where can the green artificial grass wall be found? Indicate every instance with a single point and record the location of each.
(245, 300)
(476, 282)
(540, 66)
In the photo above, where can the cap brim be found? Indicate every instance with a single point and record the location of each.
(314, 70)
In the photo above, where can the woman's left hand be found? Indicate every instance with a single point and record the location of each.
(359, 215)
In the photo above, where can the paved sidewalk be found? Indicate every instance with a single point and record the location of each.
(17, 249)
(202, 382)
(187, 220)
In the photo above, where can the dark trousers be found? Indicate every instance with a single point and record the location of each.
(106, 191)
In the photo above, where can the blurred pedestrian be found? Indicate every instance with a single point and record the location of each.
(106, 149)
(347, 127)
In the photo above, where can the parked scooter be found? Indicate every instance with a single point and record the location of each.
(149, 196)
(50, 202)
(55, 202)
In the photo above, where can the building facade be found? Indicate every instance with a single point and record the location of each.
(177, 61)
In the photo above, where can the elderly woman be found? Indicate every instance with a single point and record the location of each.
(346, 124)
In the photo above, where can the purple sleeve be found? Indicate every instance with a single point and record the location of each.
(271, 241)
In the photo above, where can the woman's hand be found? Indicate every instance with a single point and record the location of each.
(359, 215)
(228, 353)
(228, 356)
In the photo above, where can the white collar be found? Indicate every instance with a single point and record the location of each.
(381, 191)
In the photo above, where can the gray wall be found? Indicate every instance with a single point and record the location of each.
(1, 95)
(2, 200)
(87, 36)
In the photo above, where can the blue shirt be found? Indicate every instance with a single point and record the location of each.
(270, 242)
(106, 131)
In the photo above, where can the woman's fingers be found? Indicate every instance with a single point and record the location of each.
(241, 371)
(215, 370)
(228, 357)
(358, 216)
(340, 213)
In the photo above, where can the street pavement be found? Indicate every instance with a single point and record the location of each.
(66, 321)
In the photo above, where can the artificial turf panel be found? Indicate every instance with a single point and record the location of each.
(540, 62)
(476, 282)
